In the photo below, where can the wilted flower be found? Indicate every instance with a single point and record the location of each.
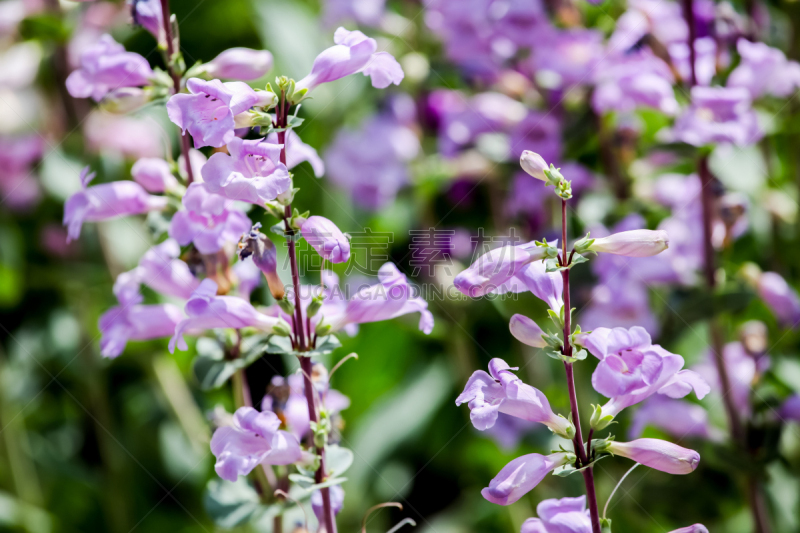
(353, 52)
(329, 242)
(208, 220)
(560, 516)
(106, 66)
(502, 391)
(251, 173)
(521, 475)
(655, 453)
(253, 439)
(106, 201)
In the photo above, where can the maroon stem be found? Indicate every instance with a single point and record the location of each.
(297, 325)
(688, 14)
(577, 441)
(176, 82)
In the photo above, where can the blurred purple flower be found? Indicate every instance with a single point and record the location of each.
(363, 12)
(563, 59)
(327, 239)
(521, 475)
(106, 201)
(19, 188)
(678, 418)
(632, 369)
(620, 301)
(742, 370)
(508, 431)
(253, 439)
(537, 132)
(207, 111)
(154, 174)
(780, 297)
(162, 270)
(626, 82)
(249, 277)
(371, 162)
(106, 66)
(208, 220)
(696, 528)
(148, 15)
(251, 173)
(206, 310)
(298, 152)
(533, 277)
(567, 515)
(353, 52)
(240, 64)
(337, 502)
(764, 71)
(718, 115)
(502, 391)
(790, 410)
(705, 49)
(125, 136)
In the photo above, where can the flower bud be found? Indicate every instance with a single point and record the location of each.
(286, 306)
(533, 164)
(282, 329)
(634, 243)
(322, 329)
(265, 257)
(527, 331)
(655, 453)
(154, 174)
(326, 239)
(240, 64)
(598, 421)
(314, 306)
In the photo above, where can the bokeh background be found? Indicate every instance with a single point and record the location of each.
(90, 444)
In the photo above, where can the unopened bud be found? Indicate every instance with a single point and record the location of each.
(286, 306)
(655, 453)
(282, 329)
(314, 306)
(322, 329)
(634, 243)
(533, 164)
(598, 421)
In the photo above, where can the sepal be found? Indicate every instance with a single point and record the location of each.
(598, 421)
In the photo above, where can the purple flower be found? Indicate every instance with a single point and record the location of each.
(503, 392)
(567, 515)
(371, 162)
(634, 243)
(631, 369)
(148, 14)
(676, 417)
(626, 82)
(696, 528)
(154, 174)
(209, 220)
(656, 453)
(136, 322)
(363, 12)
(508, 430)
(18, 189)
(251, 173)
(621, 301)
(742, 371)
(547, 286)
(497, 267)
(718, 115)
(705, 49)
(207, 111)
(206, 310)
(353, 52)
(123, 136)
(329, 242)
(661, 18)
(161, 270)
(539, 133)
(790, 410)
(106, 66)
(566, 58)
(337, 502)
(393, 296)
(526, 331)
(298, 152)
(764, 71)
(780, 297)
(106, 201)
(521, 475)
(240, 64)
(253, 439)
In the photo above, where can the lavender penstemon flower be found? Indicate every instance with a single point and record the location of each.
(631, 368)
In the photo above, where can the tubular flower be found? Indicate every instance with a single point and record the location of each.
(161, 270)
(253, 439)
(632, 368)
(148, 15)
(209, 220)
(106, 201)
(521, 475)
(138, 322)
(207, 111)
(329, 242)
(675, 417)
(353, 52)
(526, 331)
(567, 515)
(106, 66)
(240, 64)
(497, 267)
(298, 152)
(153, 174)
(501, 391)
(251, 173)
(655, 453)
(206, 310)
(780, 297)
(634, 243)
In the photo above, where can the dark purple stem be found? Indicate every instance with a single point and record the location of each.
(297, 324)
(577, 441)
(176, 82)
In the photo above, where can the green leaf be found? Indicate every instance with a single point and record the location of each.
(230, 504)
(211, 368)
(338, 459)
(279, 345)
(325, 345)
